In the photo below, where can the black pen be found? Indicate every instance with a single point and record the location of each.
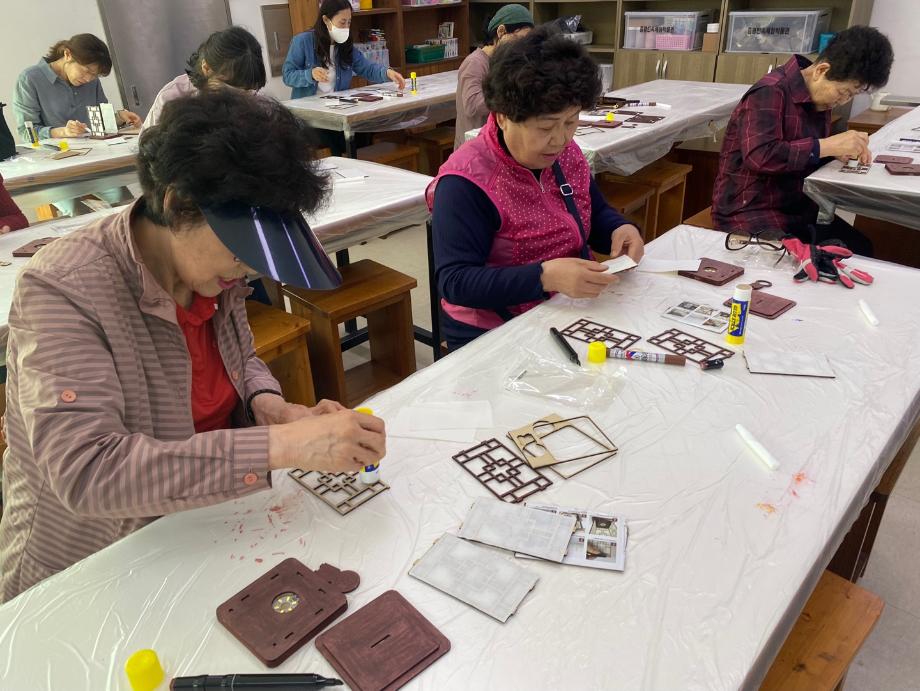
(564, 344)
(905, 139)
(252, 682)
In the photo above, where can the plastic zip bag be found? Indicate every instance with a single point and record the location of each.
(578, 387)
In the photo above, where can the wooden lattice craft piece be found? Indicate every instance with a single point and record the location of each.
(587, 331)
(688, 345)
(502, 472)
(344, 492)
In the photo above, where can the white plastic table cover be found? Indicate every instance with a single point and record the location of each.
(878, 193)
(388, 199)
(434, 102)
(722, 553)
(36, 168)
(698, 109)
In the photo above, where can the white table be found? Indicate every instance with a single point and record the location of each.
(388, 199)
(878, 193)
(435, 101)
(35, 168)
(712, 584)
(698, 109)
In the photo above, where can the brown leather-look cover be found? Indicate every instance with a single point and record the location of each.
(714, 272)
(903, 168)
(885, 158)
(383, 645)
(766, 305)
(30, 249)
(272, 636)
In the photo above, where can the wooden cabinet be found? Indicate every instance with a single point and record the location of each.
(638, 66)
(747, 68)
(276, 20)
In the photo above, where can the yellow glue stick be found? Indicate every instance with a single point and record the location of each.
(370, 473)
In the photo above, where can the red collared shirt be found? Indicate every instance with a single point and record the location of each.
(767, 154)
(213, 395)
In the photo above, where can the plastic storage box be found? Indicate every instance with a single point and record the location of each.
(424, 53)
(780, 31)
(582, 37)
(666, 30)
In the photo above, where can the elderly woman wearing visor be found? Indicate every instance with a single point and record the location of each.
(133, 387)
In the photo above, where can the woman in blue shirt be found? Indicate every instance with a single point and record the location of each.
(324, 59)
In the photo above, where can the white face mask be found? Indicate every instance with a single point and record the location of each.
(338, 35)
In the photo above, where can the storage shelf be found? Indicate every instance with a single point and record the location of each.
(376, 10)
(601, 48)
(415, 65)
(419, 8)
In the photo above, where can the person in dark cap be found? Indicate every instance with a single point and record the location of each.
(509, 23)
(134, 389)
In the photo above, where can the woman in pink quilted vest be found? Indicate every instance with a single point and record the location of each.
(515, 212)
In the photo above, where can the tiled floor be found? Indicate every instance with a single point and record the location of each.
(890, 658)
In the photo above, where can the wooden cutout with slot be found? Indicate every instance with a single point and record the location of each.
(383, 645)
(714, 272)
(285, 607)
(31, 249)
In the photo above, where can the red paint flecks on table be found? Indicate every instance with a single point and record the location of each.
(766, 508)
(258, 560)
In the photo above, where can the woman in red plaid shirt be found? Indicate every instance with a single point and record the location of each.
(781, 132)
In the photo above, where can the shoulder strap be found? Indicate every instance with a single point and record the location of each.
(568, 196)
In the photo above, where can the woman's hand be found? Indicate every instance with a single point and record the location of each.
(395, 76)
(846, 145)
(129, 119)
(336, 442)
(627, 240)
(73, 128)
(4, 230)
(577, 278)
(320, 74)
(271, 409)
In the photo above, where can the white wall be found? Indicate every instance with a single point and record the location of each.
(900, 21)
(33, 26)
(248, 14)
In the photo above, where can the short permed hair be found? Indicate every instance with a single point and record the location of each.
(221, 146)
(542, 73)
(861, 54)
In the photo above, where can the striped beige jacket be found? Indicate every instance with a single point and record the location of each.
(98, 421)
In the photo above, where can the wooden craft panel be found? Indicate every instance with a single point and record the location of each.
(693, 348)
(501, 471)
(344, 492)
(586, 330)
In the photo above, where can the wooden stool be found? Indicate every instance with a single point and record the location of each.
(836, 621)
(403, 156)
(633, 201)
(280, 340)
(669, 182)
(379, 294)
(703, 219)
(436, 145)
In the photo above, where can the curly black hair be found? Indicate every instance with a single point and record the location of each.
(862, 54)
(234, 56)
(542, 73)
(221, 146)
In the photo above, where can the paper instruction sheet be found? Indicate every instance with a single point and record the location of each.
(476, 575)
(599, 540)
(518, 528)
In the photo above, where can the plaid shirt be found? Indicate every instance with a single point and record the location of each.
(770, 148)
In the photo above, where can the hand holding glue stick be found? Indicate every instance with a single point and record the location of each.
(370, 473)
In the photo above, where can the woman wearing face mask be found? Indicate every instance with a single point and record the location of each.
(324, 59)
(509, 23)
(232, 57)
(53, 94)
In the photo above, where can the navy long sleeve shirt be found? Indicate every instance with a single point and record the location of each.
(464, 224)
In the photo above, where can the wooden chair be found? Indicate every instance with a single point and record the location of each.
(280, 340)
(668, 180)
(403, 156)
(436, 145)
(703, 219)
(633, 201)
(382, 296)
(836, 621)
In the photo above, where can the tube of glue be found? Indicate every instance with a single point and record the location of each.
(737, 319)
(370, 473)
(414, 83)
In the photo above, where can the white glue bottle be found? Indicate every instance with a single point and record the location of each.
(370, 473)
(737, 319)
